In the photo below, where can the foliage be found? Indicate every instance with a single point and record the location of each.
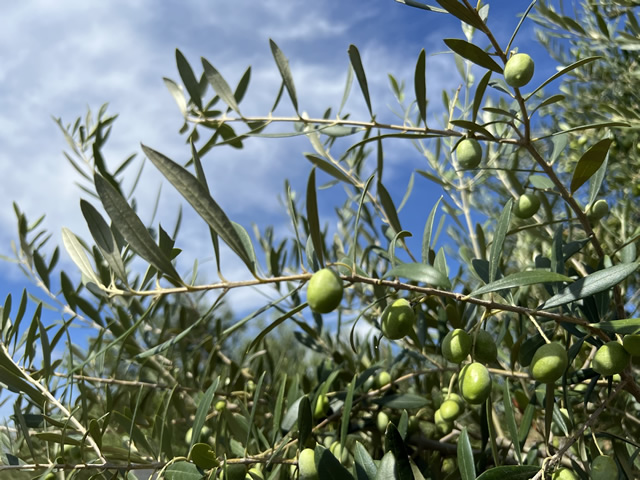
(170, 380)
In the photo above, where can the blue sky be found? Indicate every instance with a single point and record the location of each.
(60, 57)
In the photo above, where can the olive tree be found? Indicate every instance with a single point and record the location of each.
(504, 348)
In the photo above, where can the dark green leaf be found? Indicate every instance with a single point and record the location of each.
(596, 181)
(394, 444)
(329, 467)
(103, 236)
(428, 228)
(465, 457)
(401, 401)
(198, 196)
(365, 467)
(132, 228)
(511, 420)
(479, 95)
(220, 85)
(189, 79)
(520, 279)
(548, 101)
(511, 472)
(305, 421)
(472, 127)
(329, 168)
(589, 163)
(567, 69)
(420, 85)
(203, 409)
(498, 240)
(346, 412)
(461, 12)
(389, 208)
(473, 53)
(419, 272)
(203, 456)
(183, 471)
(624, 326)
(312, 217)
(285, 72)
(591, 284)
(356, 63)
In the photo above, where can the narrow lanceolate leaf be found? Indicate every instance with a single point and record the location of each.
(512, 472)
(473, 53)
(188, 78)
(132, 228)
(346, 412)
(389, 208)
(565, 70)
(305, 421)
(201, 412)
(329, 168)
(394, 443)
(591, 284)
(329, 466)
(623, 327)
(356, 63)
(589, 163)
(220, 85)
(461, 12)
(78, 255)
(420, 84)
(312, 218)
(511, 420)
(479, 95)
(419, 272)
(15, 379)
(465, 457)
(177, 94)
(498, 240)
(285, 72)
(596, 181)
(521, 279)
(198, 196)
(103, 236)
(365, 467)
(428, 228)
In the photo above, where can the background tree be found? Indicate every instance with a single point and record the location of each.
(513, 356)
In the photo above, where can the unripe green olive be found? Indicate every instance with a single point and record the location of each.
(324, 291)
(469, 153)
(549, 362)
(254, 473)
(474, 383)
(631, 344)
(383, 379)
(485, 350)
(599, 209)
(604, 467)
(456, 345)
(611, 358)
(564, 474)
(450, 410)
(398, 319)
(307, 465)
(322, 407)
(519, 70)
(236, 471)
(443, 426)
(382, 420)
(527, 206)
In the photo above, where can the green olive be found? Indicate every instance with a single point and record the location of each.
(611, 358)
(322, 407)
(549, 362)
(382, 379)
(469, 153)
(474, 383)
(324, 291)
(564, 474)
(519, 70)
(450, 410)
(631, 344)
(485, 350)
(599, 209)
(526, 206)
(604, 467)
(456, 345)
(307, 465)
(398, 319)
